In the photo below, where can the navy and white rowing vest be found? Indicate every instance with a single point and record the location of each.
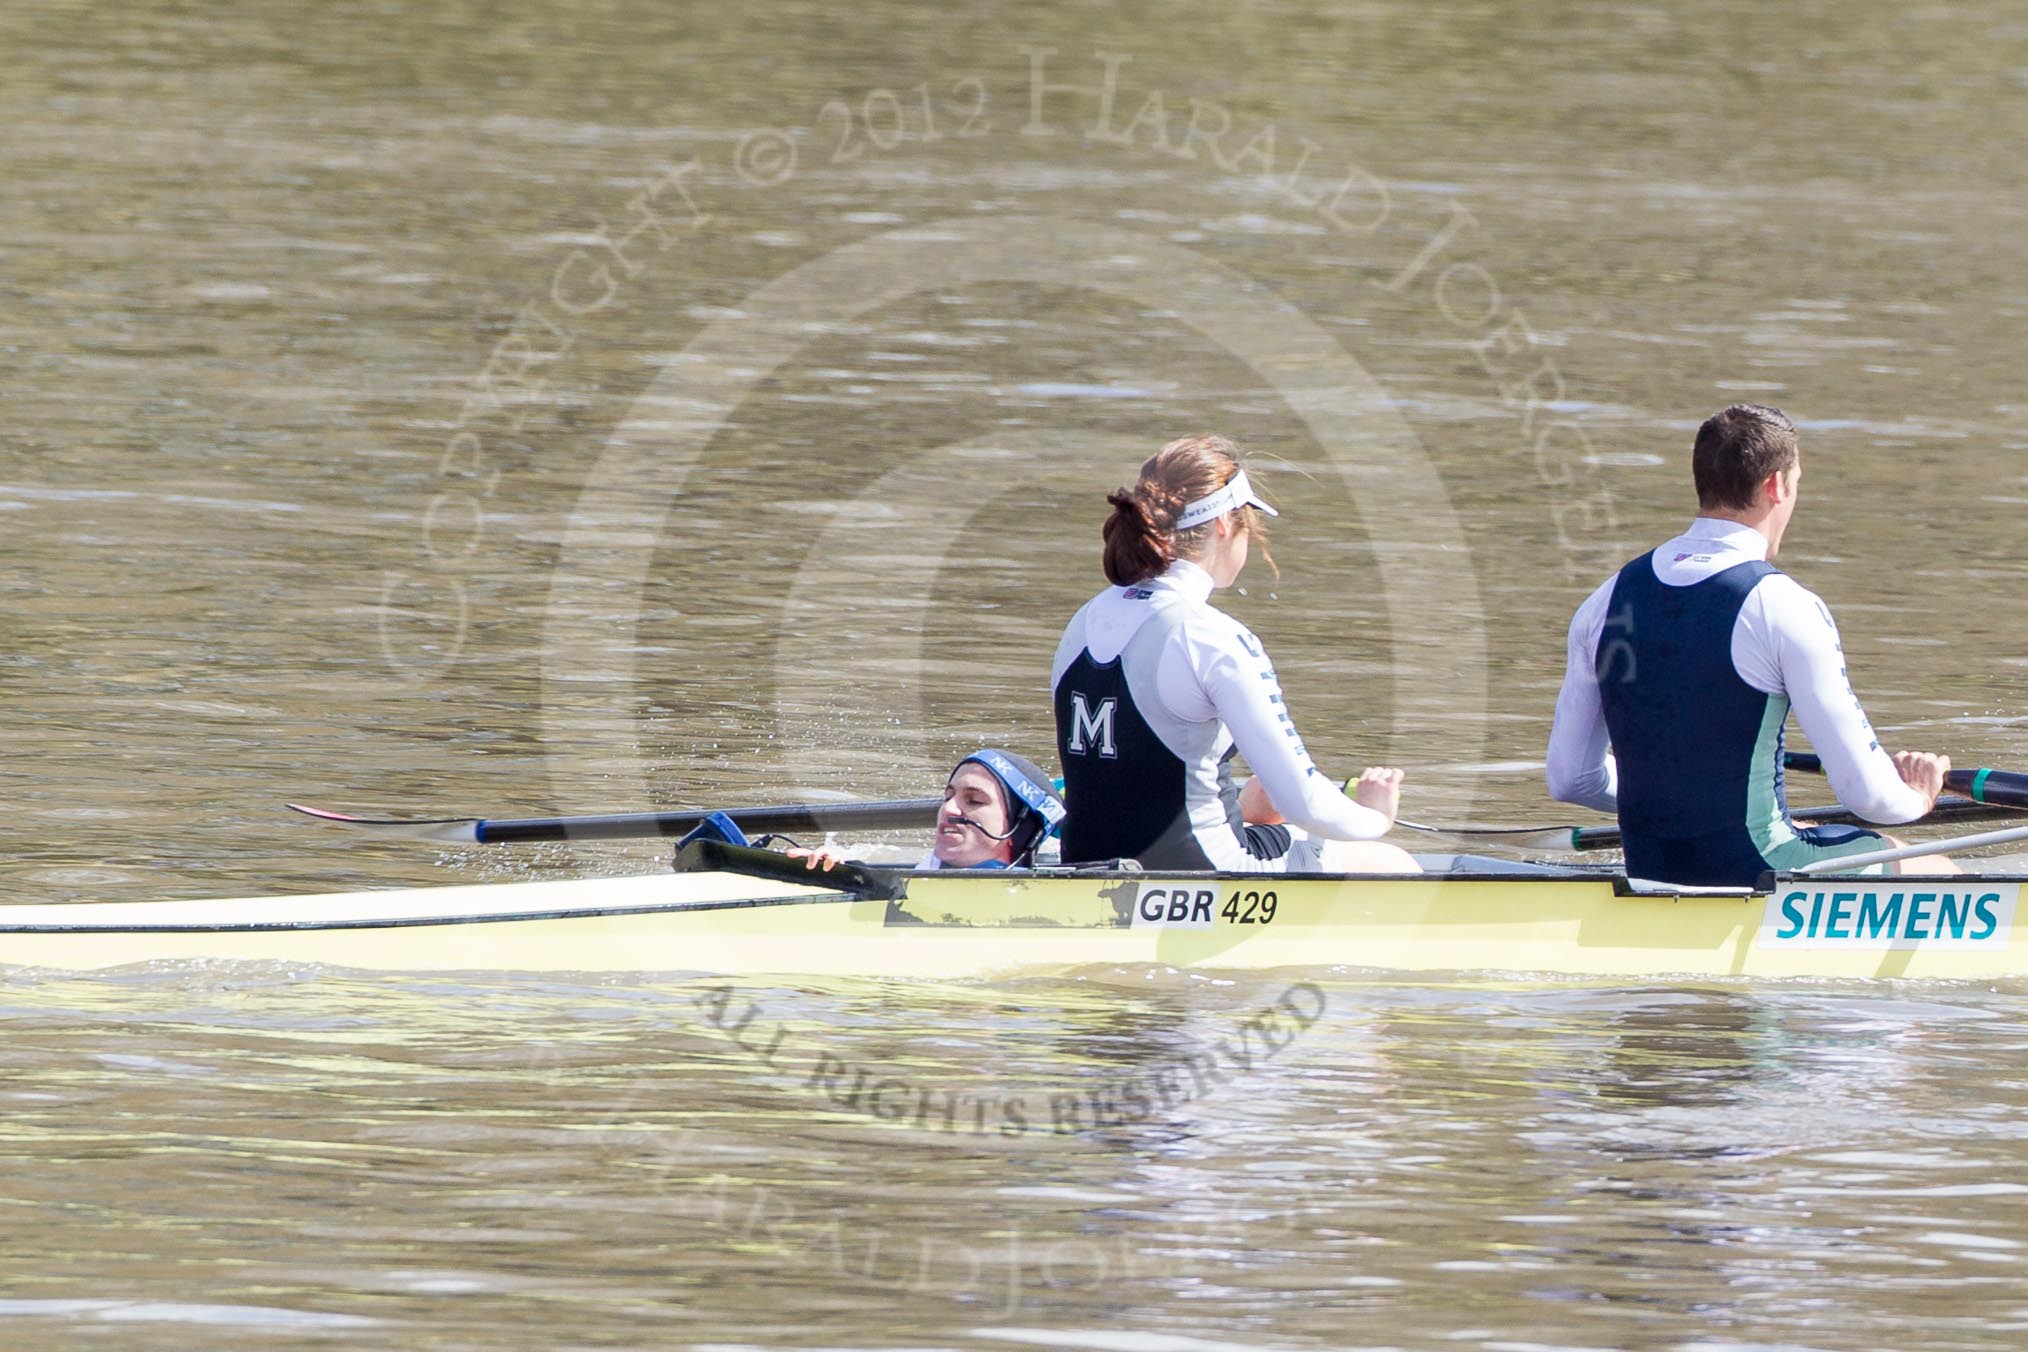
(1701, 799)
(1141, 781)
(1154, 689)
(1129, 795)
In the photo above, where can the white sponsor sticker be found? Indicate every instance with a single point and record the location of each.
(1175, 906)
(1890, 913)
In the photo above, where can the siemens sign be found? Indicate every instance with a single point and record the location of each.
(1933, 912)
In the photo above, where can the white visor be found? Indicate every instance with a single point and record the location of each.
(1237, 493)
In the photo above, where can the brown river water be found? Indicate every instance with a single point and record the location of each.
(528, 407)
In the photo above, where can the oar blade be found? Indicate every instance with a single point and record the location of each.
(782, 819)
(449, 830)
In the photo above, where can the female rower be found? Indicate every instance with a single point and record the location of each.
(997, 808)
(1155, 689)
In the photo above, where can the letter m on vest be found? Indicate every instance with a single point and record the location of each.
(1093, 727)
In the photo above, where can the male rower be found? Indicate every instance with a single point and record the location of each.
(1683, 667)
(997, 808)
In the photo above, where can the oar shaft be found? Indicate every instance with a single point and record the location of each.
(1960, 809)
(2004, 788)
(889, 815)
(1852, 861)
(892, 815)
(1606, 837)
(859, 880)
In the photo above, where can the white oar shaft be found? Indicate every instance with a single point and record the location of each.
(1852, 861)
(891, 815)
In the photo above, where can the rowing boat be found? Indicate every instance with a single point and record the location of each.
(742, 912)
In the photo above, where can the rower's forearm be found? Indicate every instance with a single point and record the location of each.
(1598, 791)
(1354, 821)
(1321, 808)
(1864, 780)
(1583, 774)
(1881, 803)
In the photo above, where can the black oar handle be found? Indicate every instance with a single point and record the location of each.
(894, 815)
(2006, 788)
(858, 880)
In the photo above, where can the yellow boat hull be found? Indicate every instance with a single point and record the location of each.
(959, 925)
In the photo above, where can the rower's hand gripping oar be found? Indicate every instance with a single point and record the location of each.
(887, 815)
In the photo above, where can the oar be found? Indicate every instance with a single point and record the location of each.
(2004, 788)
(1988, 794)
(1608, 837)
(888, 815)
(1527, 837)
(1952, 846)
(857, 880)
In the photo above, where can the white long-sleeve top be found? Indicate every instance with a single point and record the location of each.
(1214, 689)
(1783, 643)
